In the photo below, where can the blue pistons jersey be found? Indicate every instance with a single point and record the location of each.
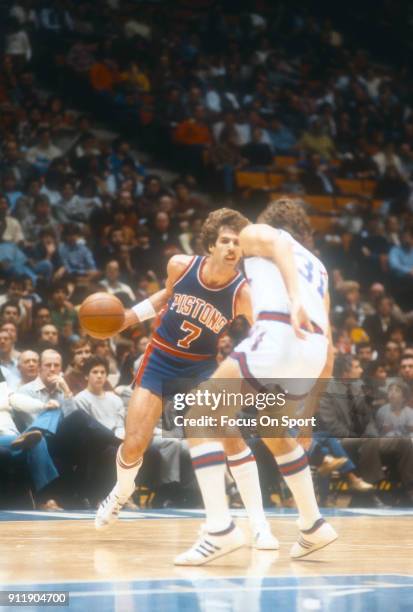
(188, 328)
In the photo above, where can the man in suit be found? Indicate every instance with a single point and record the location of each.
(380, 325)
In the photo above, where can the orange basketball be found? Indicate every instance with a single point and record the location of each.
(101, 315)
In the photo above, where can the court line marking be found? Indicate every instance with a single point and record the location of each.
(189, 590)
(207, 577)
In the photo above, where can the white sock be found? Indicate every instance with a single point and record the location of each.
(296, 472)
(209, 464)
(244, 470)
(126, 473)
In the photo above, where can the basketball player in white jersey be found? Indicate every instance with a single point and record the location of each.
(287, 341)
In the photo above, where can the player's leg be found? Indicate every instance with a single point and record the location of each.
(220, 535)
(209, 464)
(293, 464)
(144, 411)
(241, 462)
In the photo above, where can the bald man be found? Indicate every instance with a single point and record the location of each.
(28, 364)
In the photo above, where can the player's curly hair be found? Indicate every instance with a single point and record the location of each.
(223, 217)
(287, 214)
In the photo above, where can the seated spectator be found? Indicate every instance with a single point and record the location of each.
(11, 328)
(11, 191)
(345, 413)
(317, 178)
(8, 363)
(187, 202)
(401, 267)
(358, 163)
(375, 380)
(406, 373)
(77, 259)
(62, 311)
(104, 75)
(81, 351)
(256, 153)
(73, 437)
(226, 158)
(379, 326)
(162, 233)
(104, 406)
(394, 190)
(193, 136)
(391, 358)
(49, 335)
(13, 230)
(356, 332)
(365, 354)
(387, 158)
(103, 348)
(45, 256)
(28, 364)
(136, 77)
(131, 360)
(112, 283)
(31, 447)
(314, 140)
(282, 138)
(292, 182)
(41, 155)
(39, 221)
(194, 131)
(396, 417)
(13, 262)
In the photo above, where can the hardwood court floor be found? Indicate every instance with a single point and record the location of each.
(51, 551)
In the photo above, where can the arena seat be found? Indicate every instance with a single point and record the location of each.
(275, 180)
(252, 179)
(282, 161)
(356, 186)
(321, 223)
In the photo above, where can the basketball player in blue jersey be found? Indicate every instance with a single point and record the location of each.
(201, 297)
(287, 341)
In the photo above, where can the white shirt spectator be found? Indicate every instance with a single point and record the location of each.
(18, 43)
(118, 287)
(107, 408)
(400, 422)
(383, 162)
(13, 231)
(7, 425)
(38, 154)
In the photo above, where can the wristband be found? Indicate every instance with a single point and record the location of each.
(144, 310)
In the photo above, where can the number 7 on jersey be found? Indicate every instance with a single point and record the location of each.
(193, 332)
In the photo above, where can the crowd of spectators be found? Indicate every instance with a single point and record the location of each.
(208, 92)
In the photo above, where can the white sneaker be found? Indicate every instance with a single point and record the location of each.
(209, 547)
(320, 535)
(264, 540)
(108, 511)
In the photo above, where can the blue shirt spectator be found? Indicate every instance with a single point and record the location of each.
(76, 257)
(401, 257)
(282, 139)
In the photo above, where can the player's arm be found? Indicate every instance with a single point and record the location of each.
(261, 240)
(149, 308)
(243, 303)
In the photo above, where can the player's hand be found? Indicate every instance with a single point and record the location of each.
(51, 404)
(300, 320)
